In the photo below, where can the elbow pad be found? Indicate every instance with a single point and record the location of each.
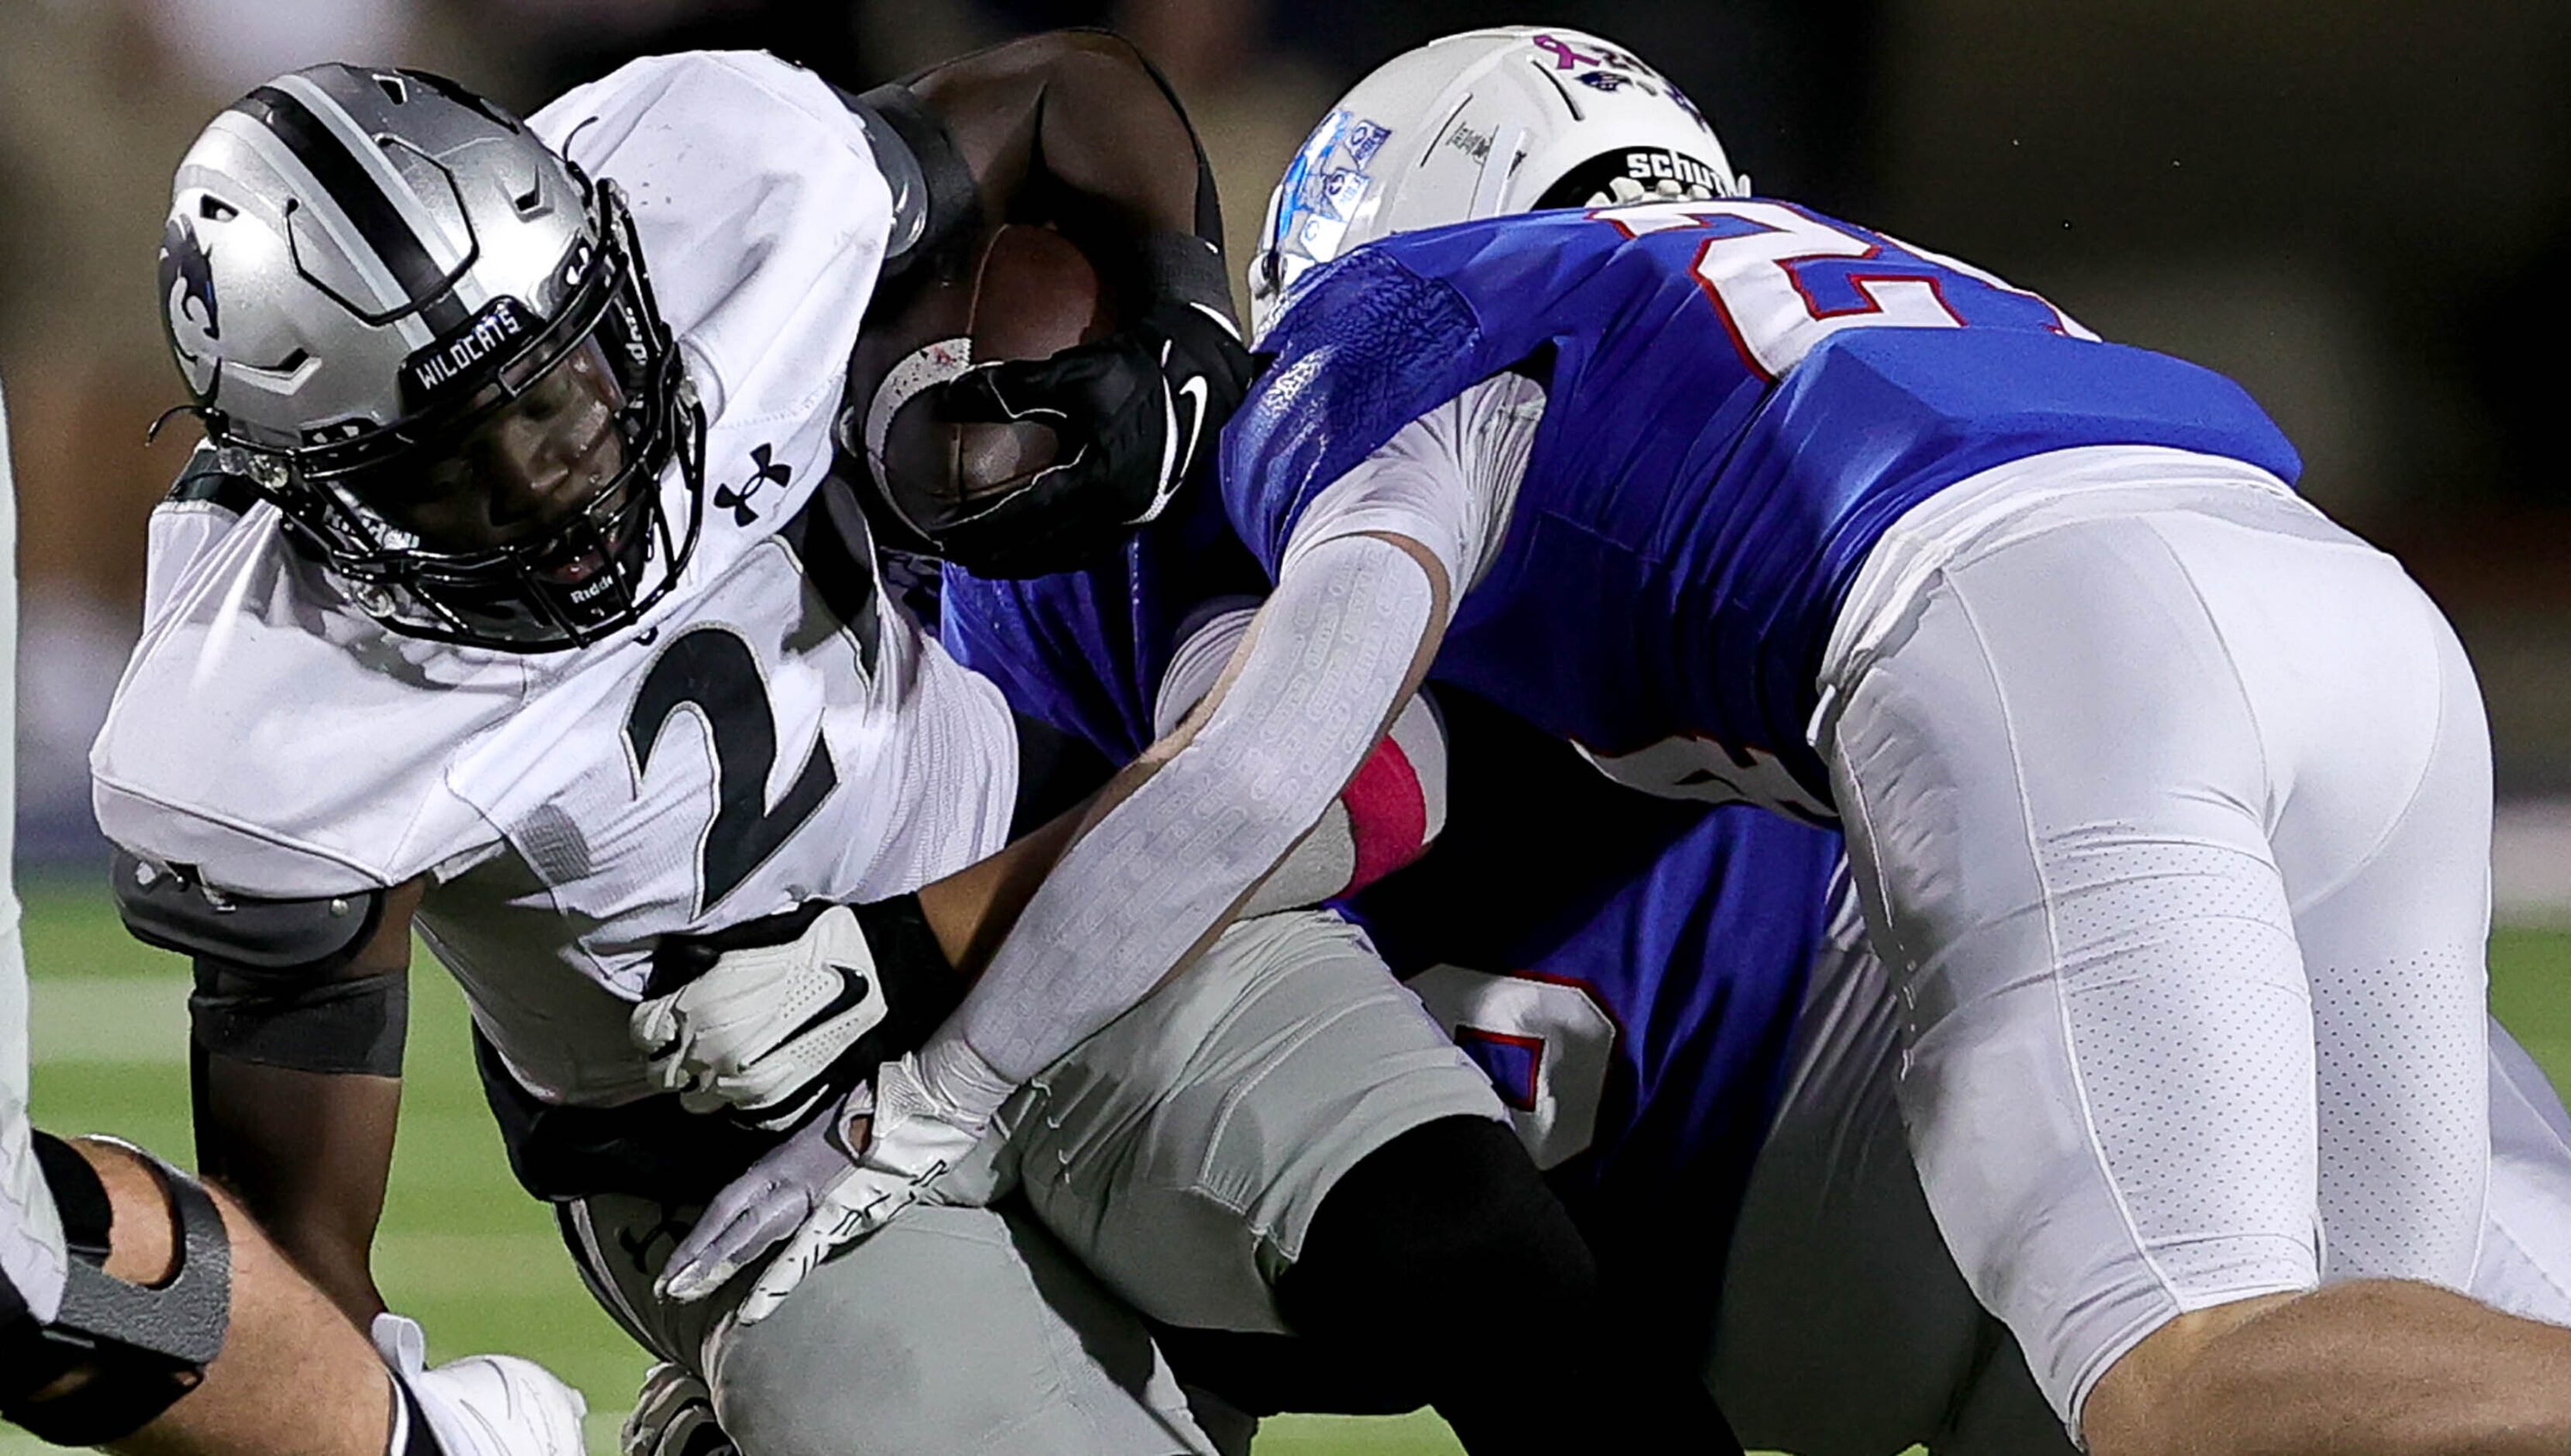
(936, 201)
(1386, 818)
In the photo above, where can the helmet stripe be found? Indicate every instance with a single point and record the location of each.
(382, 297)
(358, 196)
(357, 130)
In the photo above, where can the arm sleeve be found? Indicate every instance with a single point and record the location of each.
(1447, 480)
(1323, 669)
(1384, 818)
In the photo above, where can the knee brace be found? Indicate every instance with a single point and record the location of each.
(130, 1352)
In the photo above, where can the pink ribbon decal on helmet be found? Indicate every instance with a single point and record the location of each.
(1564, 56)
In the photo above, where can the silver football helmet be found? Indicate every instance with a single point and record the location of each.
(430, 341)
(1507, 120)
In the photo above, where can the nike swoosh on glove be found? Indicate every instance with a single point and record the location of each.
(755, 1026)
(1135, 411)
(772, 1018)
(815, 1193)
(673, 1416)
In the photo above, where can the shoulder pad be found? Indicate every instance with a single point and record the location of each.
(169, 906)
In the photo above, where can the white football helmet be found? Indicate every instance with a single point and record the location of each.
(1497, 121)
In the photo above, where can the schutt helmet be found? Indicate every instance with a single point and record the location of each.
(1497, 121)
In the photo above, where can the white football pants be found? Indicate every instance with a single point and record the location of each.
(1847, 1329)
(2168, 804)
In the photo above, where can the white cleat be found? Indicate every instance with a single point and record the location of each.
(484, 1405)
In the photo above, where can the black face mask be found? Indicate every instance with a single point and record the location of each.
(356, 504)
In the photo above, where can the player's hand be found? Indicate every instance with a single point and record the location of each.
(840, 1178)
(673, 1416)
(1134, 411)
(769, 1018)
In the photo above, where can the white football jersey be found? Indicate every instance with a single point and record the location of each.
(772, 731)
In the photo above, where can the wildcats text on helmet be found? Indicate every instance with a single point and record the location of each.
(451, 358)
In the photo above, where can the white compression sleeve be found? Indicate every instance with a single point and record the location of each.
(1325, 666)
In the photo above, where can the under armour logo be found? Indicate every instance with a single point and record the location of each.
(738, 501)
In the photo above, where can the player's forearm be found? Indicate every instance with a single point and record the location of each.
(970, 910)
(307, 1154)
(1172, 847)
(297, 1088)
(1077, 110)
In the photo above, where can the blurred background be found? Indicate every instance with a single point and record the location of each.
(2361, 208)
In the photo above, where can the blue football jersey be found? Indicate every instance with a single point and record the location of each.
(1627, 968)
(1742, 397)
(1084, 652)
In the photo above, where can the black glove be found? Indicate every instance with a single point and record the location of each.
(1137, 412)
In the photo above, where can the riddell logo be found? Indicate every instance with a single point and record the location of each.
(441, 364)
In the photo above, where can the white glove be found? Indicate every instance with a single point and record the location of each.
(673, 1416)
(757, 1028)
(818, 1189)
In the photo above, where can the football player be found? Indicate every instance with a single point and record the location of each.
(511, 602)
(1679, 1006)
(1754, 505)
(141, 1310)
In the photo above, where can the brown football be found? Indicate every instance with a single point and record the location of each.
(1029, 295)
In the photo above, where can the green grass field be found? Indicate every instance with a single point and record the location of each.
(476, 1262)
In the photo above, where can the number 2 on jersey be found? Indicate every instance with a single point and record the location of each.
(1783, 279)
(710, 670)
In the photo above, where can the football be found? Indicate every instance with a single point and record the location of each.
(1029, 293)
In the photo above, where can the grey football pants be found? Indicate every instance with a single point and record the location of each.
(1180, 1155)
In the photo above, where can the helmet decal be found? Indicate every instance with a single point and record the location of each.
(1493, 121)
(1568, 56)
(1325, 187)
(188, 304)
(1634, 175)
(448, 364)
